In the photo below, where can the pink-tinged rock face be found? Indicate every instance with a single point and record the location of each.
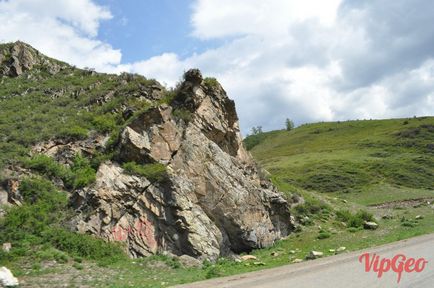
(211, 203)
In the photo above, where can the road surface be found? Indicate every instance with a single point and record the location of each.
(342, 270)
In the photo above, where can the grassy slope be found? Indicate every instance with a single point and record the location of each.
(364, 161)
(356, 148)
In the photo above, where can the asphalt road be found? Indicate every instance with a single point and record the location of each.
(343, 270)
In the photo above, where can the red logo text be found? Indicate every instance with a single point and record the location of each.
(398, 264)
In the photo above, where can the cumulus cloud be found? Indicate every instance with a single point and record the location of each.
(306, 60)
(63, 29)
(319, 60)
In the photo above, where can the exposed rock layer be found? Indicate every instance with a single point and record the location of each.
(212, 201)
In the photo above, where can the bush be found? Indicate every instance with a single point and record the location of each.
(182, 113)
(354, 229)
(47, 166)
(42, 206)
(153, 172)
(312, 208)
(82, 173)
(212, 272)
(36, 228)
(79, 175)
(211, 82)
(324, 235)
(354, 220)
(253, 140)
(84, 246)
(73, 133)
(104, 123)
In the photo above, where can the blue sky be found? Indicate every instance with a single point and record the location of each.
(307, 60)
(142, 29)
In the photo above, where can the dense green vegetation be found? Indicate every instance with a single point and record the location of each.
(38, 106)
(79, 174)
(37, 232)
(350, 157)
(346, 172)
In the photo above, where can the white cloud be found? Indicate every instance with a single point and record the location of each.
(306, 60)
(166, 68)
(318, 60)
(63, 29)
(223, 18)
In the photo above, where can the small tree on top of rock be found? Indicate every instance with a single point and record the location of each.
(289, 124)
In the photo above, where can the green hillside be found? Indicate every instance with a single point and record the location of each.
(369, 162)
(346, 172)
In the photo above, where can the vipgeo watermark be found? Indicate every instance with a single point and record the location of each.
(398, 264)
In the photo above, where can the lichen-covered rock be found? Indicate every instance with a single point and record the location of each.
(212, 201)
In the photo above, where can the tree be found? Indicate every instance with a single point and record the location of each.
(289, 124)
(256, 130)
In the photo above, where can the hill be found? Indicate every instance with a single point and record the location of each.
(163, 171)
(97, 167)
(368, 161)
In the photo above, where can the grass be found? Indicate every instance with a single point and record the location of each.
(341, 169)
(351, 157)
(332, 215)
(79, 174)
(155, 172)
(37, 231)
(66, 105)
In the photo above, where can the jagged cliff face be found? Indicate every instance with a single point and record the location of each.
(212, 202)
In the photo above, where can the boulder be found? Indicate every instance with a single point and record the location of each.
(314, 255)
(370, 225)
(6, 247)
(341, 249)
(19, 57)
(7, 279)
(248, 257)
(189, 262)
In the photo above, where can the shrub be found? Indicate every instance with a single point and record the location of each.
(312, 208)
(84, 246)
(73, 133)
(80, 173)
(212, 272)
(354, 220)
(324, 235)
(155, 172)
(353, 229)
(211, 82)
(104, 123)
(42, 206)
(182, 113)
(47, 166)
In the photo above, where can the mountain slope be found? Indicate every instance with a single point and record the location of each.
(124, 159)
(384, 159)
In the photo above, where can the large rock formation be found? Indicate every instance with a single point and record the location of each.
(212, 201)
(18, 57)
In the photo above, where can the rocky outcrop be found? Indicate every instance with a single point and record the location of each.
(18, 57)
(212, 201)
